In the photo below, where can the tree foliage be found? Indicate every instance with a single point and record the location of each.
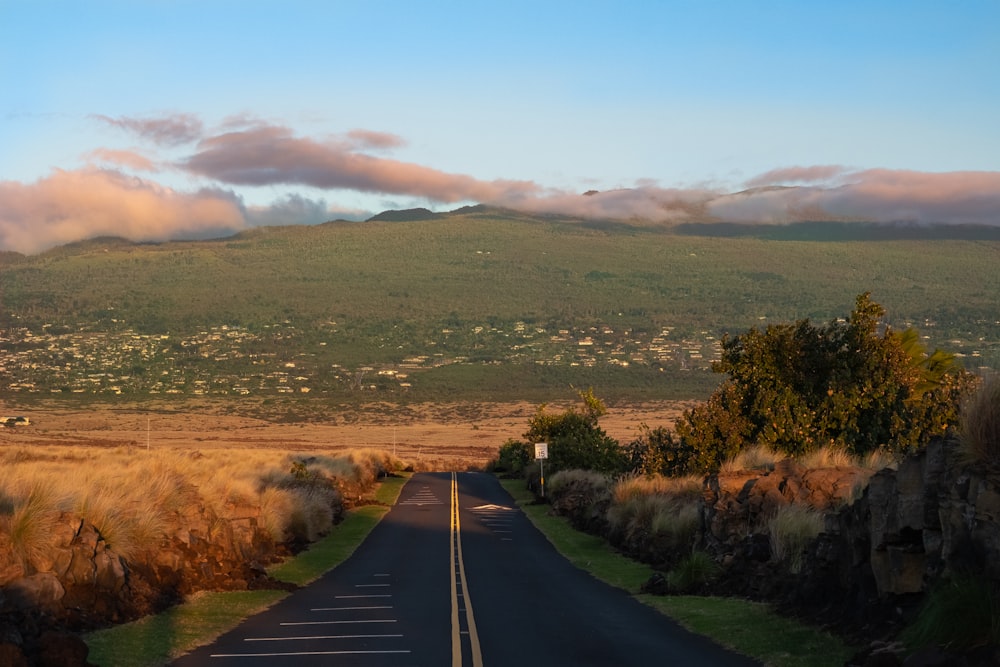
(797, 387)
(575, 439)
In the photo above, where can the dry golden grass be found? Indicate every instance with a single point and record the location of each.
(133, 497)
(791, 529)
(631, 486)
(752, 458)
(828, 457)
(666, 507)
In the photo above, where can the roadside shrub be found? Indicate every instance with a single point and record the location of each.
(513, 457)
(587, 482)
(583, 496)
(575, 440)
(657, 452)
(791, 529)
(959, 613)
(979, 429)
(693, 572)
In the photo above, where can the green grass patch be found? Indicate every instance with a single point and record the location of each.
(156, 640)
(749, 628)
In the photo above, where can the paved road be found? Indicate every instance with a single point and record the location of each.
(456, 575)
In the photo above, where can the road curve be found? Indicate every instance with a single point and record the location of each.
(456, 575)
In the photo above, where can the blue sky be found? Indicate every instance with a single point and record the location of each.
(222, 115)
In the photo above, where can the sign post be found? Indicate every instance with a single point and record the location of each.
(542, 453)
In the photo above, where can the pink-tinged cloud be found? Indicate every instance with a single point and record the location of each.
(272, 155)
(73, 205)
(172, 130)
(874, 195)
(787, 175)
(643, 203)
(373, 139)
(122, 158)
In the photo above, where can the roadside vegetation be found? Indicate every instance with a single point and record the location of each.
(851, 398)
(749, 628)
(133, 497)
(156, 640)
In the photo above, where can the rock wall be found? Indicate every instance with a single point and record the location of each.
(82, 583)
(880, 549)
(887, 538)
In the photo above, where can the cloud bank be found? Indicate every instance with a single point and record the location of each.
(105, 197)
(74, 205)
(273, 155)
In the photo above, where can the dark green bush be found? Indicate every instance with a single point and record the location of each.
(575, 439)
(797, 387)
(657, 452)
(513, 457)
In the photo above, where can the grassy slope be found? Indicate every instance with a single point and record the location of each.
(475, 268)
(391, 287)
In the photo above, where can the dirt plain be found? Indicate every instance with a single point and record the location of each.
(429, 436)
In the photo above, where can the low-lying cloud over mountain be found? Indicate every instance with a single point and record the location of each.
(118, 190)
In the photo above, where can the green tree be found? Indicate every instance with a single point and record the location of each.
(797, 387)
(575, 439)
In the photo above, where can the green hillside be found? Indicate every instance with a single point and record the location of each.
(473, 303)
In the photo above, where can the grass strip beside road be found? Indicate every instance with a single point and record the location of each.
(336, 547)
(750, 628)
(156, 640)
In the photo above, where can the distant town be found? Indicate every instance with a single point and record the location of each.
(228, 360)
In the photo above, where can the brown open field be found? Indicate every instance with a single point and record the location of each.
(430, 436)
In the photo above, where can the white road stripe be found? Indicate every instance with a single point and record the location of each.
(281, 639)
(380, 606)
(377, 620)
(297, 653)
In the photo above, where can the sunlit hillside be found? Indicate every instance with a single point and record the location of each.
(478, 303)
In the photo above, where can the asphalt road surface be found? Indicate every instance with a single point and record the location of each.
(456, 575)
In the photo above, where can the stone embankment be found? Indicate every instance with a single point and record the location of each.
(79, 582)
(887, 537)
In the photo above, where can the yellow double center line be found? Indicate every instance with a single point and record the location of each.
(458, 577)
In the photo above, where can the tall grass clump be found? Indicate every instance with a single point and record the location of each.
(758, 457)
(791, 529)
(589, 482)
(656, 507)
(127, 523)
(631, 486)
(829, 457)
(979, 424)
(693, 572)
(30, 517)
(677, 522)
(959, 613)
